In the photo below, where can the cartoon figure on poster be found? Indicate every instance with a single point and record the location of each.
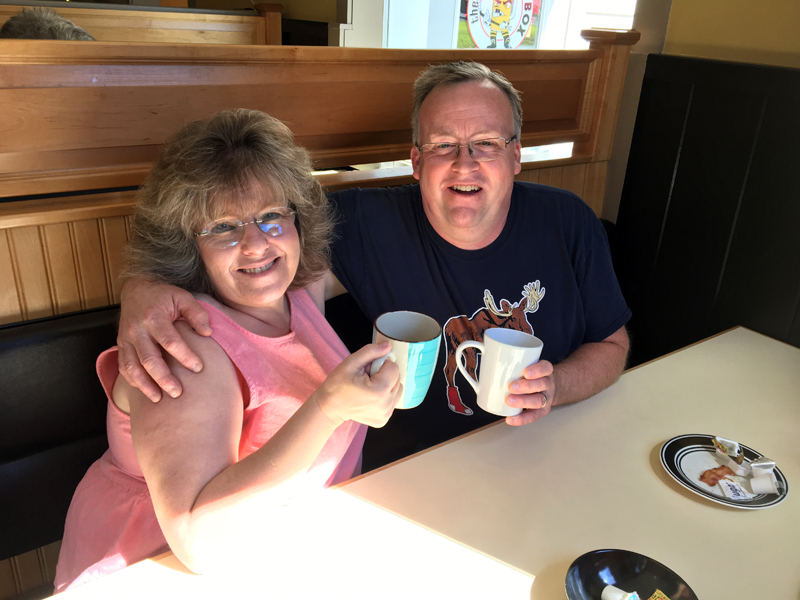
(500, 18)
(510, 18)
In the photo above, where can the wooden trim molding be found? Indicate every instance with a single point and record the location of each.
(271, 14)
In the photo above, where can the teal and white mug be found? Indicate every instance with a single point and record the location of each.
(415, 340)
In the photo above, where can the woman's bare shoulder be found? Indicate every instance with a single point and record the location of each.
(217, 369)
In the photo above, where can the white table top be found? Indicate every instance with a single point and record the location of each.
(589, 476)
(513, 507)
(330, 546)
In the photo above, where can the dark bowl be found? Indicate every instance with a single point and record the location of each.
(589, 574)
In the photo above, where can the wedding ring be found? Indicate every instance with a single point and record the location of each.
(545, 400)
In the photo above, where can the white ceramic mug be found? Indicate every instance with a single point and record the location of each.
(505, 354)
(415, 340)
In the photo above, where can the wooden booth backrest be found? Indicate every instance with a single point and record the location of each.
(109, 23)
(80, 116)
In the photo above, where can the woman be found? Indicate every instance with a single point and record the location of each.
(231, 213)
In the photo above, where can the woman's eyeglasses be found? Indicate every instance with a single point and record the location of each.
(224, 233)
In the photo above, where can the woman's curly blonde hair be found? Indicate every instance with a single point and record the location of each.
(204, 169)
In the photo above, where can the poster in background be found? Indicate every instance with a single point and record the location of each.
(499, 24)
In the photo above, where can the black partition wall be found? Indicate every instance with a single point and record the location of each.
(708, 231)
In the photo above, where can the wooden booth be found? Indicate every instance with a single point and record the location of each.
(80, 117)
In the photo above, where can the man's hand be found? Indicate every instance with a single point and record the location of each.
(590, 369)
(534, 393)
(146, 316)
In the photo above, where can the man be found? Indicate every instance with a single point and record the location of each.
(467, 246)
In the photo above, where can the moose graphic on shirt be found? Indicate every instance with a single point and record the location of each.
(462, 328)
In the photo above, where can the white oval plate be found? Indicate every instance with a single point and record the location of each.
(686, 457)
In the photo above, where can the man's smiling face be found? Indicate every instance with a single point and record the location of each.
(466, 201)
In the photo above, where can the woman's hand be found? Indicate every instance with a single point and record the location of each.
(146, 322)
(349, 393)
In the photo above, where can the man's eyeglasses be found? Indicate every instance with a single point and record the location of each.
(224, 233)
(479, 150)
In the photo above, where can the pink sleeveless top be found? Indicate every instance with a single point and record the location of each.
(111, 522)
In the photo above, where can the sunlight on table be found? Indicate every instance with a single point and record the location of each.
(331, 545)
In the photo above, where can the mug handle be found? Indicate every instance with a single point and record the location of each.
(378, 362)
(459, 351)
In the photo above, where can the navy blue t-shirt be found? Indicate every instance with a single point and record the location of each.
(548, 273)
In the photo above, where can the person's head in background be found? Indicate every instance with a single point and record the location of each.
(42, 24)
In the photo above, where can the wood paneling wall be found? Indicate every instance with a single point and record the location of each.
(60, 267)
(34, 570)
(587, 180)
(708, 220)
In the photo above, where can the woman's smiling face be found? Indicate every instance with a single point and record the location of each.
(256, 272)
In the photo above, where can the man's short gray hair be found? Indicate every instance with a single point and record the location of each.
(461, 72)
(210, 167)
(42, 24)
